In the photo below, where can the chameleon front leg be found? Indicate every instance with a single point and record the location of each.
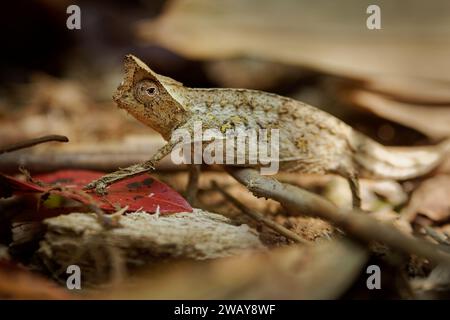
(101, 184)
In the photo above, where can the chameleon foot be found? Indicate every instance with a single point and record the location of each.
(98, 185)
(101, 184)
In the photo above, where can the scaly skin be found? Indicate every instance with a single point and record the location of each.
(310, 141)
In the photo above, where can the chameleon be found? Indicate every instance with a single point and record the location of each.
(310, 140)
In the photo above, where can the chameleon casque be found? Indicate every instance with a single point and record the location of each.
(310, 140)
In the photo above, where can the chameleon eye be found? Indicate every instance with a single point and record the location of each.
(145, 91)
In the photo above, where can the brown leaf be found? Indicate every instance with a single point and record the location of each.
(408, 89)
(438, 279)
(431, 199)
(323, 271)
(250, 73)
(313, 34)
(430, 120)
(18, 283)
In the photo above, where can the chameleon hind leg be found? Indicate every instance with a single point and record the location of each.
(346, 170)
(353, 182)
(192, 186)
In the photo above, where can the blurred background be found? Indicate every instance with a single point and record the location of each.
(390, 83)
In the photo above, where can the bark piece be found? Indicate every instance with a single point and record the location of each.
(79, 239)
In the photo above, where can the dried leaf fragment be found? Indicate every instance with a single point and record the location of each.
(323, 271)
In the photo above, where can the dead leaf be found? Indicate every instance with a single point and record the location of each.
(250, 73)
(323, 271)
(141, 192)
(323, 35)
(393, 217)
(376, 195)
(438, 279)
(444, 167)
(430, 199)
(433, 121)
(18, 283)
(412, 90)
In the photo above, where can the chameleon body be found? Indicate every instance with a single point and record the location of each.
(310, 140)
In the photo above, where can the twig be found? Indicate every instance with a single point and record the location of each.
(98, 160)
(108, 221)
(355, 223)
(33, 142)
(437, 236)
(260, 218)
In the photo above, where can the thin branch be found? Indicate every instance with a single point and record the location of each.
(260, 218)
(356, 224)
(33, 142)
(438, 237)
(98, 160)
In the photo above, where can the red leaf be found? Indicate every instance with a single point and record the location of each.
(18, 185)
(140, 193)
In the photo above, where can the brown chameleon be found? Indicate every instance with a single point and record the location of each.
(310, 140)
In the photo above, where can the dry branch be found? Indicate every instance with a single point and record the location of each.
(51, 161)
(33, 142)
(356, 224)
(261, 218)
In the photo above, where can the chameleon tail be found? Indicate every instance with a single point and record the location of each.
(400, 163)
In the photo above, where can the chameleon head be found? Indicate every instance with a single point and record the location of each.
(151, 98)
